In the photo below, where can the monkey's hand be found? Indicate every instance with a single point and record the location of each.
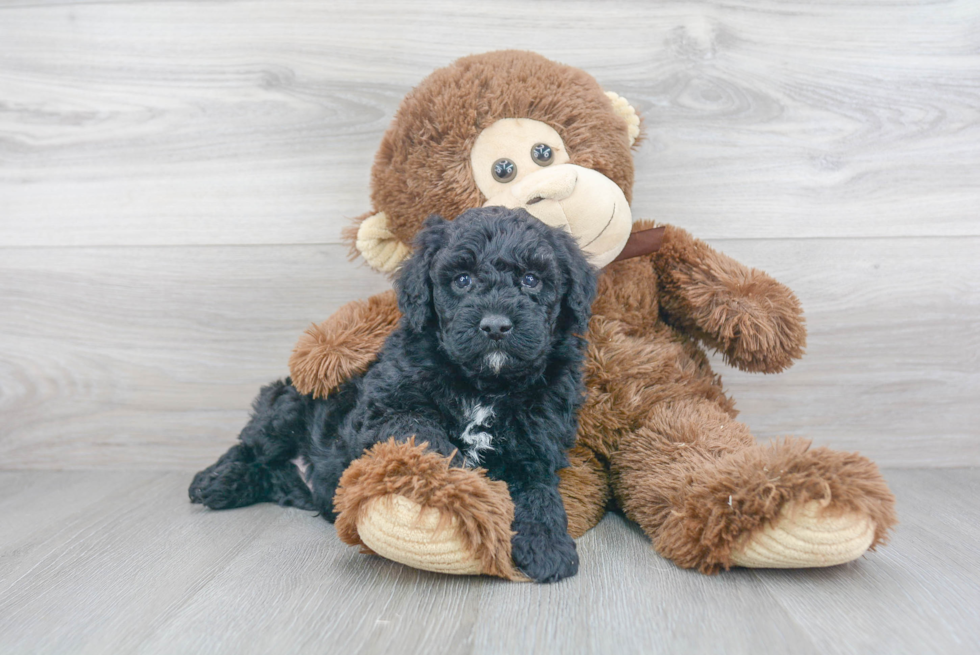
(344, 345)
(753, 320)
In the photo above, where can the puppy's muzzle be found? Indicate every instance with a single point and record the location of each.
(496, 327)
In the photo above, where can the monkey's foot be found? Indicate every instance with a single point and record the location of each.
(802, 536)
(404, 531)
(779, 506)
(407, 504)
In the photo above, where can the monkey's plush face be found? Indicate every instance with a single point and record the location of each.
(519, 162)
(510, 129)
(512, 149)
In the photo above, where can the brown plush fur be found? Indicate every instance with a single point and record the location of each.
(344, 344)
(743, 313)
(419, 170)
(657, 432)
(584, 489)
(717, 505)
(482, 506)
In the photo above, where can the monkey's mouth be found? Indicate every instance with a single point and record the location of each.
(604, 228)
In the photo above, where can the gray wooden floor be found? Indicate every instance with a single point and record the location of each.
(174, 177)
(117, 562)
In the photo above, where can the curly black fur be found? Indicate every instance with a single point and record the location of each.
(486, 366)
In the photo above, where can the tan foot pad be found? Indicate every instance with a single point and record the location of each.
(403, 531)
(802, 537)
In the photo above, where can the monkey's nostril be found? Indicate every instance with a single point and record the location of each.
(547, 184)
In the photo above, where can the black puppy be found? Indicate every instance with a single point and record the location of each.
(486, 363)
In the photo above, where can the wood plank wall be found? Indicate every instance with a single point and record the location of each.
(174, 177)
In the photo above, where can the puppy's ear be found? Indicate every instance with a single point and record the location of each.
(581, 279)
(414, 287)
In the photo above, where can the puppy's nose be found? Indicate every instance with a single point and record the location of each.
(496, 326)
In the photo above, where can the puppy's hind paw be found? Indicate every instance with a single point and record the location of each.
(226, 484)
(545, 559)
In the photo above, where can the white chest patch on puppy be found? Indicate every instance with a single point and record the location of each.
(479, 420)
(303, 467)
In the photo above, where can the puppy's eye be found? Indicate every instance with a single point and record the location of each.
(462, 281)
(504, 170)
(530, 280)
(542, 154)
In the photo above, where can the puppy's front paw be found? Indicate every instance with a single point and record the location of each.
(545, 558)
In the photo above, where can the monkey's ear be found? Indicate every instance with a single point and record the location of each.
(625, 110)
(378, 246)
(414, 285)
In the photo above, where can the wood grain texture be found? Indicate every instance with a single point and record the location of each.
(147, 123)
(122, 563)
(892, 366)
(149, 357)
(935, 542)
(174, 177)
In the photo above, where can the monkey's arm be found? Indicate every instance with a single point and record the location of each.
(753, 320)
(343, 345)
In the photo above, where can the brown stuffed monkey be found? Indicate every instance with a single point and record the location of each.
(658, 436)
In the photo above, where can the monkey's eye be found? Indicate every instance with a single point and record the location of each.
(504, 170)
(530, 280)
(462, 281)
(542, 154)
